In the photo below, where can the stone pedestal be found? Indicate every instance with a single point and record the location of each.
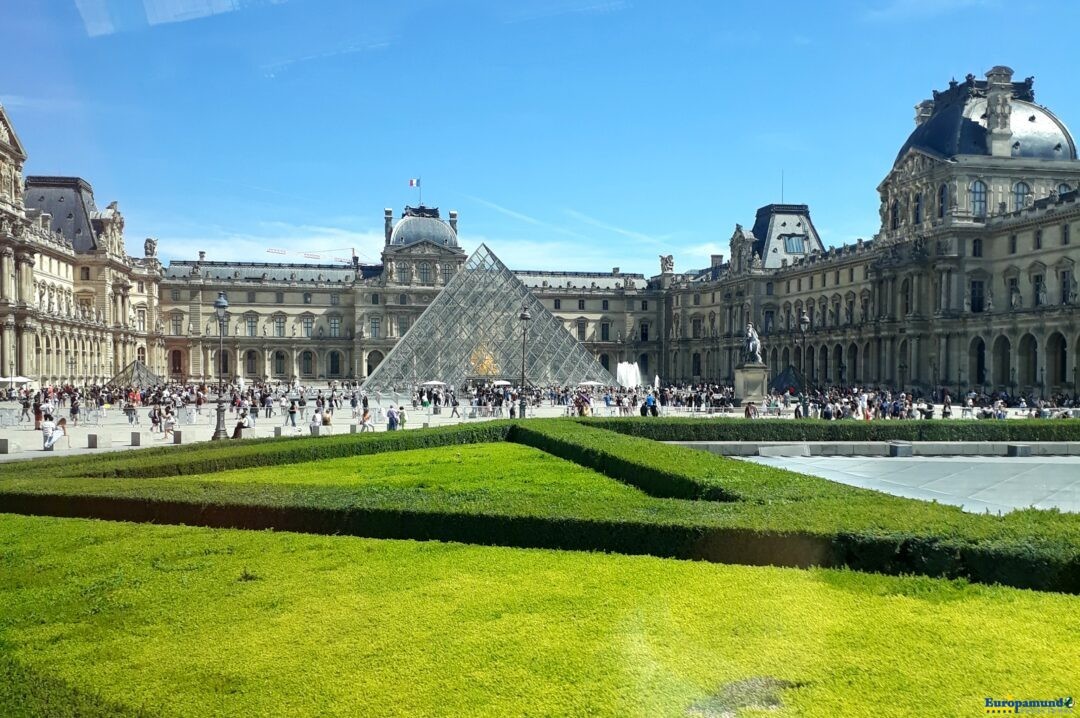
(751, 382)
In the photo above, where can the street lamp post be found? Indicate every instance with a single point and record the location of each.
(524, 317)
(903, 371)
(221, 304)
(804, 324)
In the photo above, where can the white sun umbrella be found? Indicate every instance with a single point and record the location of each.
(591, 383)
(500, 382)
(434, 383)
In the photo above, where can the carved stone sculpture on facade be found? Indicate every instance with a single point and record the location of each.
(967, 301)
(989, 299)
(150, 247)
(667, 263)
(1041, 295)
(1016, 301)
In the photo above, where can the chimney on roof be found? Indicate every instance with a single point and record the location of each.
(716, 260)
(388, 223)
(202, 255)
(999, 95)
(923, 111)
(614, 271)
(453, 220)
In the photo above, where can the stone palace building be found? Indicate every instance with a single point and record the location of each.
(969, 281)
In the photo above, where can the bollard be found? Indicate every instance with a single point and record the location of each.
(7, 446)
(136, 438)
(178, 436)
(99, 440)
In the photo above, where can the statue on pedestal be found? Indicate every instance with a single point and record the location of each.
(752, 345)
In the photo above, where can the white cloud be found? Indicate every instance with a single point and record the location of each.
(225, 244)
(521, 217)
(622, 231)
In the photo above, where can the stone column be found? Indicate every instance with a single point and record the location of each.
(24, 264)
(9, 346)
(363, 363)
(7, 269)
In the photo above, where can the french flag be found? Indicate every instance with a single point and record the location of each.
(414, 182)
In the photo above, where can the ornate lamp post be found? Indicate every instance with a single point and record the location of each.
(71, 369)
(524, 317)
(804, 325)
(221, 304)
(903, 372)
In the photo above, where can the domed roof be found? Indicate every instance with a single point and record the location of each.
(419, 224)
(958, 125)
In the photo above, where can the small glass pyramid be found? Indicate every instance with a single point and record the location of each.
(137, 376)
(472, 332)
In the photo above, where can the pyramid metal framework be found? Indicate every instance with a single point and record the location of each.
(136, 375)
(472, 331)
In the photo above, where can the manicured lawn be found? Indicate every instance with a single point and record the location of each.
(105, 618)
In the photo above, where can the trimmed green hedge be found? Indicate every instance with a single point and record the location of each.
(684, 429)
(763, 515)
(657, 469)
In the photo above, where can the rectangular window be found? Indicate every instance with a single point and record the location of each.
(1066, 286)
(558, 304)
(252, 326)
(581, 304)
(795, 244)
(1065, 238)
(307, 297)
(581, 330)
(644, 305)
(770, 317)
(279, 297)
(1038, 239)
(175, 294)
(84, 273)
(977, 301)
(695, 328)
(335, 299)
(402, 326)
(604, 306)
(141, 320)
(851, 274)
(279, 326)
(447, 273)
(837, 278)
(644, 332)
(798, 284)
(976, 248)
(811, 281)
(335, 326)
(769, 288)
(251, 297)
(374, 298)
(1012, 244)
(306, 325)
(1037, 282)
(605, 332)
(697, 300)
(375, 326)
(177, 325)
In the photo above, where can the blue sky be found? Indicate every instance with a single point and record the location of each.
(569, 134)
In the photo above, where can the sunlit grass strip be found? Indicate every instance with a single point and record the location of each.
(123, 620)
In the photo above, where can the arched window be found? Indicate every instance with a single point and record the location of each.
(176, 359)
(279, 363)
(917, 213)
(403, 273)
(895, 224)
(1021, 190)
(942, 200)
(978, 198)
(402, 299)
(141, 354)
(335, 364)
(1063, 188)
(249, 362)
(306, 364)
(425, 273)
(447, 273)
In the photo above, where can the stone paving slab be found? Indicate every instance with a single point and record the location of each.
(977, 484)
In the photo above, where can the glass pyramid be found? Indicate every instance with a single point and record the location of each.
(137, 376)
(472, 333)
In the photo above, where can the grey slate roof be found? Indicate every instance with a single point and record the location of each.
(70, 201)
(957, 125)
(271, 271)
(580, 280)
(420, 224)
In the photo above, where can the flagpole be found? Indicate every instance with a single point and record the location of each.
(420, 188)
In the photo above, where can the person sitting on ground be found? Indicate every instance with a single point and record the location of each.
(316, 422)
(58, 432)
(327, 417)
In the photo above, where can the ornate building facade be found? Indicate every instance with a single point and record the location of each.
(969, 281)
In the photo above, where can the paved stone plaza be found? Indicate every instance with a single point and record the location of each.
(976, 483)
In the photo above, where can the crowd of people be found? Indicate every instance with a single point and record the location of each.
(53, 410)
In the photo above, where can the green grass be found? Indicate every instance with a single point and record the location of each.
(507, 494)
(116, 619)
